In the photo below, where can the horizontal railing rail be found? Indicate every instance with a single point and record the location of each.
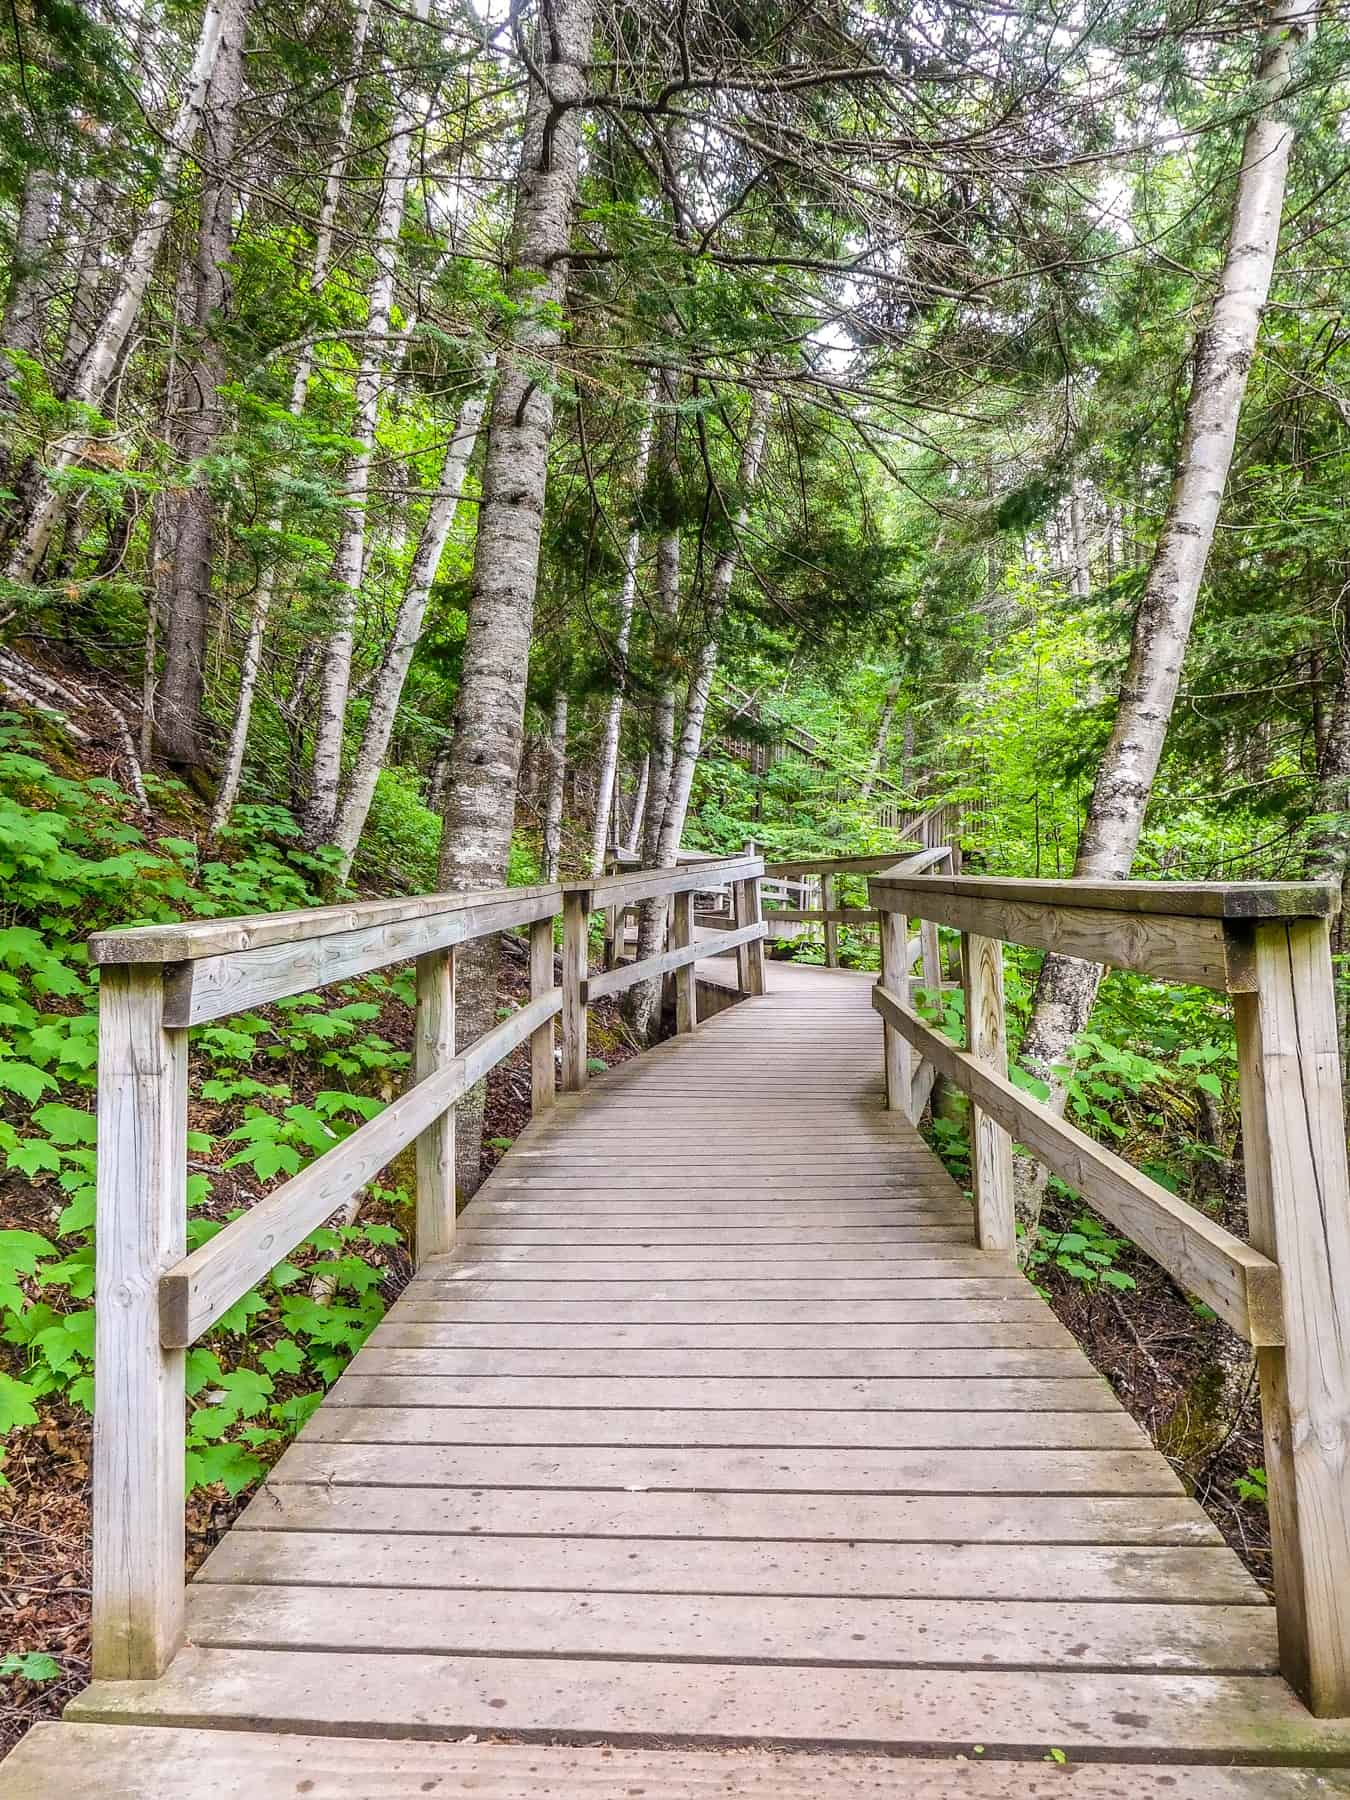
(154, 1299)
(788, 886)
(1287, 1292)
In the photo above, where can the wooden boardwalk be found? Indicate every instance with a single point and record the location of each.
(715, 1443)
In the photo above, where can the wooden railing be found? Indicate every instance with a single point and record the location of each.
(790, 889)
(153, 1299)
(1288, 1291)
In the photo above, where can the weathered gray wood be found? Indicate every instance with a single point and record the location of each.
(897, 1058)
(188, 939)
(214, 986)
(827, 910)
(167, 1763)
(197, 1290)
(990, 1146)
(896, 862)
(928, 1524)
(640, 884)
(138, 1536)
(682, 938)
(1179, 947)
(1078, 1391)
(1160, 899)
(745, 1468)
(1238, 1282)
(654, 1427)
(749, 911)
(832, 1630)
(614, 981)
(976, 1353)
(1136, 1716)
(434, 1050)
(712, 1565)
(543, 1072)
(1298, 1197)
(575, 947)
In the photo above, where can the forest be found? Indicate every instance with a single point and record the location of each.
(442, 443)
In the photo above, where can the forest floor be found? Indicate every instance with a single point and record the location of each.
(45, 1509)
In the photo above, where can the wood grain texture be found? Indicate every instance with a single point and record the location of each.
(434, 1050)
(1299, 1210)
(1238, 1282)
(614, 981)
(167, 1763)
(991, 1172)
(575, 943)
(197, 1290)
(543, 1070)
(138, 1534)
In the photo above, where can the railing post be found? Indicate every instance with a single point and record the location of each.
(686, 984)
(831, 929)
(434, 1151)
(1298, 1205)
(542, 1071)
(898, 1057)
(754, 915)
(138, 1531)
(576, 920)
(990, 1146)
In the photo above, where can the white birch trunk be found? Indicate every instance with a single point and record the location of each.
(490, 710)
(1067, 988)
(393, 671)
(100, 359)
(349, 563)
(719, 592)
(609, 737)
(227, 789)
(30, 272)
(880, 742)
(557, 784)
(635, 823)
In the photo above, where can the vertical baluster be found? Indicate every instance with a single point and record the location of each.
(990, 1145)
(899, 1058)
(1298, 1203)
(542, 1068)
(434, 1152)
(576, 921)
(686, 987)
(138, 1532)
(831, 929)
(753, 909)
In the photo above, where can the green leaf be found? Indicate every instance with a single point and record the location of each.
(23, 1079)
(16, 1404)
(65, 1125)
(34, 1666)
(1211, 1084)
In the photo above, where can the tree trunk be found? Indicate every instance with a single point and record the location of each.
(227, 789)
(880, 742)
(178, 705)
(1067, 988)
(402, 646)
(719, 592)
(609, 737)
(557, 784)
(1080, 571)
(349, 563)
(641, 1003)
(30, 271)
(100, 359)
(633, 837)
(490, 710)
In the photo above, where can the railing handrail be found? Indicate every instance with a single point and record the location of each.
(1268, 946)
(153, 1299)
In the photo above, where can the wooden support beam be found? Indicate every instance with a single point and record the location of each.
(1298, 1202)
(686, 987)
(896, 1053)
(1241, 1284)
(614, 981)
(433, 1049)
(138, 1533)
(991, 1170)
(543, 1074)
(576, 922)
(196, 1291)
(749, 914)
(831, 928)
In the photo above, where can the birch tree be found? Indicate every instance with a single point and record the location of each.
(179, 700)
(402, 646)
(490, 709)
(227, 787)
(557, 786)
(611, 730)
(349, 563)
(1067, 988)
(104, 350)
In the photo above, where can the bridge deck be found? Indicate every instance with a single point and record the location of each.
(715, 1431)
